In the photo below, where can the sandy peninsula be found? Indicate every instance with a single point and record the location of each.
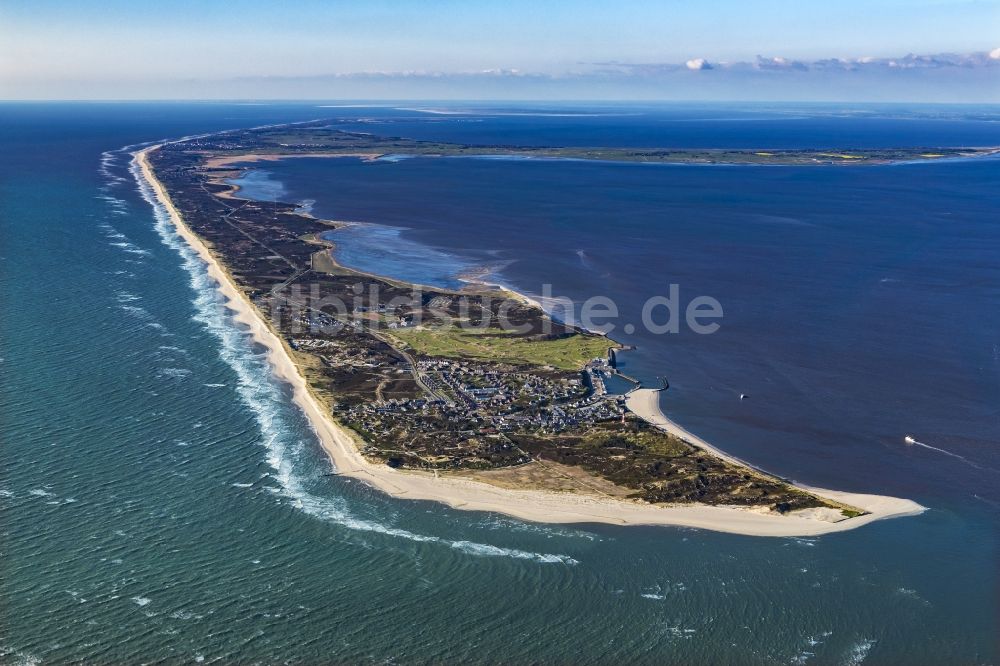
(229, 160)
(531, 505)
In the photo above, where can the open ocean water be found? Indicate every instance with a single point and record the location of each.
(163, 501)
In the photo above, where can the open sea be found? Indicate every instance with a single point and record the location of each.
(163, 501)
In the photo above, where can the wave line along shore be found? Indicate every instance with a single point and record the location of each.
(532, 505)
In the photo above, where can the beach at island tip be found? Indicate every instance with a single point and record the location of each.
(531, 505)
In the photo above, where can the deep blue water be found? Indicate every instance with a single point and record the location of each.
(162, 500)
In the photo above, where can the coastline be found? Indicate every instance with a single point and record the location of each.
(645, 403)
(250, 158)
(531, 505)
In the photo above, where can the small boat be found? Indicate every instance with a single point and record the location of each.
(743, 396)
(909, 440)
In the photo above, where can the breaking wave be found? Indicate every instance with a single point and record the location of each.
(859, 652)
(109, 160)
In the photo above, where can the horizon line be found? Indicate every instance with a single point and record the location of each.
(362, 101)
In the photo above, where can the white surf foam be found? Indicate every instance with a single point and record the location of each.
(131, 248)
(173, 373)
(109, 160)
(809, 651)
(681, 632)
(111, 232)
(120, 240)
(136, 310)
(174, 348)
(17, 658)
(859, 652)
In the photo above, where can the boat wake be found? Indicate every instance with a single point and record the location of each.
(913, 442)
(269, 403)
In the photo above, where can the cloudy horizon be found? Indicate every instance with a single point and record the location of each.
(884, 50)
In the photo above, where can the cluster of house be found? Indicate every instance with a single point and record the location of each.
(304, 321)
(478, 385)
(337, 352)
(383, 315)
(495, 399)
(313, 344)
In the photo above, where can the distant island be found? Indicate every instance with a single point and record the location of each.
(323, 138)
(433, 396)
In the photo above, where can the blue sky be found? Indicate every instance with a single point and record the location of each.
(680, 49)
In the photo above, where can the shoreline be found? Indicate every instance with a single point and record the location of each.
(229, 160)
(645, 403)
(972, 152)
(531, 505)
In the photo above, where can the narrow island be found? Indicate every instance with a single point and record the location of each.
(473, 398)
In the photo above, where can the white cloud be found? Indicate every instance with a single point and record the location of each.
(989, 59)
(778, 62)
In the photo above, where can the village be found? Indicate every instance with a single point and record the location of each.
(501, 398)
(437, 411)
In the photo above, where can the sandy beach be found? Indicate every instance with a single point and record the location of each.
(229, 160)
(531, 505)
(645, 403)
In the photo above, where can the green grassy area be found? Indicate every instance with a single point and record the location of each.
(569, 353)
(612, 436)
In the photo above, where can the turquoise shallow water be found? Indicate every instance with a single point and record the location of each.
(163, 501)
